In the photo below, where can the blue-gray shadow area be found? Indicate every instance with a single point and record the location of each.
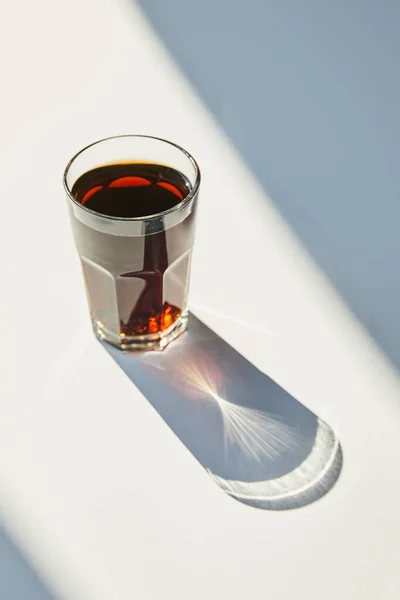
(18, 581)
(309, 92)
(257, 442)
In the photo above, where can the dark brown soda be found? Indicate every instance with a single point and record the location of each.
(130, 190)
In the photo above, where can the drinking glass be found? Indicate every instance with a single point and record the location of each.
(136, 269)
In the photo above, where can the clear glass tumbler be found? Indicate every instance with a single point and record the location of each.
(132, 202)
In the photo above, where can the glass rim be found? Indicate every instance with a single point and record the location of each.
(163, 213)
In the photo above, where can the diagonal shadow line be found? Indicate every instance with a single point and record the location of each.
(258, 443)
(18, 581)
(309, 93)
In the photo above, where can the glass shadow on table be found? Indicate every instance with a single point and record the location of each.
(257, 442)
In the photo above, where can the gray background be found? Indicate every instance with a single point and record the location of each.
(17, 580)
(309, 92)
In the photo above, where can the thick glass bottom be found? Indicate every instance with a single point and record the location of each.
(153, 341)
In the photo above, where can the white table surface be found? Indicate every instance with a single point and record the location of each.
(102, 497)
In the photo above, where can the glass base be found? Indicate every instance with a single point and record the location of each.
(153, 341)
